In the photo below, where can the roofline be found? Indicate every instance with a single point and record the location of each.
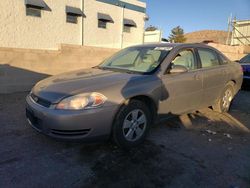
(241, 20)
(171, 45)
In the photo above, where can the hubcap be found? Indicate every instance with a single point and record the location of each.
(134, 125)
(227, 98)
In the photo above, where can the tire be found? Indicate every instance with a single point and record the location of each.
(223, 104)
(131, 124)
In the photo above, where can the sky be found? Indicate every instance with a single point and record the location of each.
(194, 15)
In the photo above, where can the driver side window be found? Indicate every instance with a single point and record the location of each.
(185, 58)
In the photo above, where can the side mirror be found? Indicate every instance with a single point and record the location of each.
(178, 69)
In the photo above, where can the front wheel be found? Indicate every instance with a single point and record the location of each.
(131, 124)
(224, 102)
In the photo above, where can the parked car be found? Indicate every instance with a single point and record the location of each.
(123, 96)
(245, 63)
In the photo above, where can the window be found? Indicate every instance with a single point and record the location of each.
(208, 58)
(103, 19)
(71, 18)
(245, 59)
(127, 24)
(34, 7)
(223, 59)
(126, 60)
(136, 59)
(185, 58)
(102, 24)
(126, 29)
(33, 12)
(72, 14)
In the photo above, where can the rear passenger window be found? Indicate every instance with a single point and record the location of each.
(208, 58)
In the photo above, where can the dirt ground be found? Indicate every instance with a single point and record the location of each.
(203, 149)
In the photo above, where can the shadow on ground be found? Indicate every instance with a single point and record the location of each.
(135, 168)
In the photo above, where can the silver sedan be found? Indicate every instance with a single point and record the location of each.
(123, 96)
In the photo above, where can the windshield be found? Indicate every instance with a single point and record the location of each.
(245, 59)
(137, 59)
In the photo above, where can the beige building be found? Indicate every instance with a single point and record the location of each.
(45, 24)
(240, 32)
(153, 36)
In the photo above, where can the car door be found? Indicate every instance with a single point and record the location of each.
(215, 75)
(182, 91)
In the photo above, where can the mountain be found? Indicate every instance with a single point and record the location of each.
(215, 36)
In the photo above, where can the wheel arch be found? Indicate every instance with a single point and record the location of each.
(149, 101)
(233, 84)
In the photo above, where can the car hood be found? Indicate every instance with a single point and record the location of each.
(55, 88)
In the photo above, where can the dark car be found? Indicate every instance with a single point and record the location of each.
(124, 95)
(245, 63)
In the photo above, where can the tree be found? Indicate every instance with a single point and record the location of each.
(151, 28)
(177, 35)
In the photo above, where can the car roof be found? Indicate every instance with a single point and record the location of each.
(174, 45)
(181, 45)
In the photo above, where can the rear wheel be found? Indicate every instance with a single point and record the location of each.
(224, 102)
(131, 124)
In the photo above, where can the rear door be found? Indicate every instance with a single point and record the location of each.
(182, 92)
(215, 75)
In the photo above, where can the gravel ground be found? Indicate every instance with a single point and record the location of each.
(203, 149)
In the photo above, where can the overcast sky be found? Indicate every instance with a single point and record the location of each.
(193, 15)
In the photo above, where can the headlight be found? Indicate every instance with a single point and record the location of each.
(82, 101)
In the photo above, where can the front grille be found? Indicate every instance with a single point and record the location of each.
(40, 101)
(70, 132)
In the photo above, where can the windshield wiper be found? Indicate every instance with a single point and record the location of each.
(119, 70)
(102, 68)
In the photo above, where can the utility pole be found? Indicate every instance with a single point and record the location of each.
(123, 7)
(228, 29)
(82, 33)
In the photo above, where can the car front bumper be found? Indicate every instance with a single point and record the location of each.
(71, 125)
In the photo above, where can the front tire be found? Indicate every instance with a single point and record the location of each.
(131, 124)
(223, 104)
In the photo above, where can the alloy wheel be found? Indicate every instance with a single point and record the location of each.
(134, 125)
(227, 98)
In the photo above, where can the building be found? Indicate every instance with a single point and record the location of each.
(45, 24)
(153, 36)
(240, 32)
